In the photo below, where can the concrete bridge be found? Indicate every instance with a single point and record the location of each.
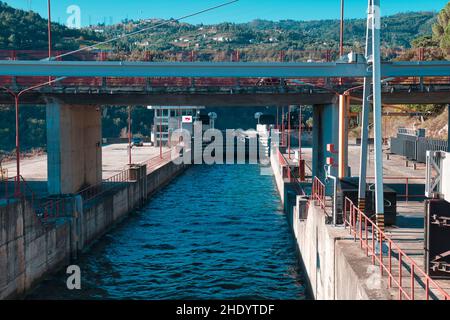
(73, 117)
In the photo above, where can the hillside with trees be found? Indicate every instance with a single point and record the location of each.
(258, 39)
(26, 30)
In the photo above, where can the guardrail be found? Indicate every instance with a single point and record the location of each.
(95, 191)
(319, 193)
(405, 274)
(156, 161)
(415, 148)
(407, 183)
(44, 209)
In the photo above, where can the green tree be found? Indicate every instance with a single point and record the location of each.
(441, 29)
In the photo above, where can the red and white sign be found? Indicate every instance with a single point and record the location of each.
(187, 119)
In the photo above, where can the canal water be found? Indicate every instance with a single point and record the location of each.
(216, 232)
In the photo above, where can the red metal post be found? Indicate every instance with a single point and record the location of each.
(400, 296)
(282, 127)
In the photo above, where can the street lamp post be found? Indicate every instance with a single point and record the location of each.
(16, 97)
(341, 35)
(49, 27)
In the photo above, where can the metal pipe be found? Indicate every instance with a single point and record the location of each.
(341, 35)
(49, 26)
(282, 127)
(343, 136)
(330, 176)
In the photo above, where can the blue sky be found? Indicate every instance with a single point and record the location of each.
(95, 11)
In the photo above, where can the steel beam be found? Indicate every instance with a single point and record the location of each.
(363, 156)
(222, 69)
(374, 13)
(179, 69)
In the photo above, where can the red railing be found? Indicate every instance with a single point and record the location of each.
(319, 193)
(44, 208)
(93, 192)
(213, 56)
(97, 190)
(156, 161)
(403, 272)
(407, 181)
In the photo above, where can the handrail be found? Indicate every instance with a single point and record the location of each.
(407, 180)
(370, 235)
(94, 191)
(154, 162)
(319, 193)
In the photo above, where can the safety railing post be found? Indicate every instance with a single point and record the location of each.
(360, 229)
(412, 282)
(400, 271)
(390, 265)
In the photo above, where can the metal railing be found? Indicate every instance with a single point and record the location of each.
(404, 274)
(121, 178)
(44, 209)
(407, 183)
(156, 161)
(112, 182)
(413, 147)
(319, 193)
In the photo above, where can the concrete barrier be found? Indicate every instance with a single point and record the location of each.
(335, 267)
(31, 249)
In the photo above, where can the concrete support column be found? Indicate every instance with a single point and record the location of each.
(73, 147)
(325, 131)
(344, 106)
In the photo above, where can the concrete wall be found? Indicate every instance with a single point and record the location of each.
(337, 269)
(335, 266)
(74, 147)
(30, 250)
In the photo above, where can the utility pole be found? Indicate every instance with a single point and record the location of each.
(49, 31)
(362, 188)
(374, 14)
(341, 36)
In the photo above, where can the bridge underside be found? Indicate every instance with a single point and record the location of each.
(219, 98)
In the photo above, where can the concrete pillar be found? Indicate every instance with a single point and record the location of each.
(73, 147)
(325, 131)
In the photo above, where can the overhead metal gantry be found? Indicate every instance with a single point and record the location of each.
(360, 69)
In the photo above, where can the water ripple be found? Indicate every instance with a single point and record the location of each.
(214, 233)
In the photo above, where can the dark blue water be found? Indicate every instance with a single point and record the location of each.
(216, 232)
